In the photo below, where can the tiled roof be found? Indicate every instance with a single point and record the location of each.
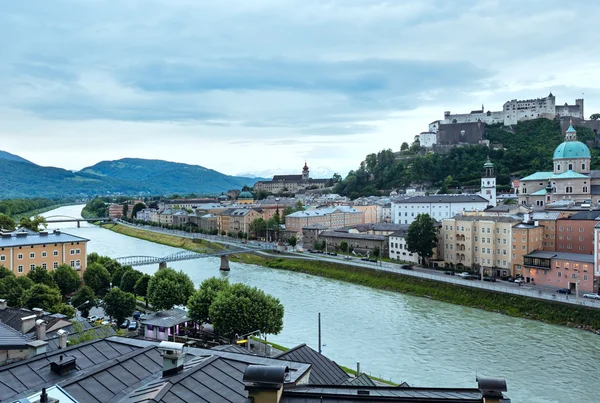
(323, 371)
(38, 239)
(464, 198)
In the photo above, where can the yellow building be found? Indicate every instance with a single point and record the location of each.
(526, 238)
(22, 250)
(245, 198)
(369, 213)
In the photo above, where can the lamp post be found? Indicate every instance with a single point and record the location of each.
(86, 302)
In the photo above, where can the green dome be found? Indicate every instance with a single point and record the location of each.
(572, 149)
(245, 195)
(488, 164)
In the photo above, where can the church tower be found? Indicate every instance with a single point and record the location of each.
(305, 176)
(488, 183)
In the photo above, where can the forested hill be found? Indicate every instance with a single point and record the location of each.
(526, 150)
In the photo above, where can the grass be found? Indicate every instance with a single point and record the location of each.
(195, 245)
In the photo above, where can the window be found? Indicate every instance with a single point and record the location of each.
(44, 254)
(31, 266)
(476, 249)
(55, 253)
(72, 263)
(585, 189)
(488, 230)
(476, 238)
(583, 167)
(570, 166)
(559, 274)
(32, 255)
(581, 229)
(488, 251)
(568, 229)
(573, 276)
(20, 256)
(488, 240)
(514, 256)
(20, 268)
(581, 238)
(504, 241)
(44, 266)
(72, 252)
(585, 277)
(2, 258)
(514, 247)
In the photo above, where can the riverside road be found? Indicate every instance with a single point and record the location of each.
(538, 291)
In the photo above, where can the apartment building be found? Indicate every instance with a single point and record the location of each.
(574, 271)
(439, 207)
(526, 237)
(479, 241)
(237, 219)
(22, 250)
(576, 233)
(330, 218)
(547, 220)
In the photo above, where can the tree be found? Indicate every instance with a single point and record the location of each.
(344, 246)
(63, 308)
(336, 178)
(119, 304)
(7, 223)
(12, 290)
(125, 209)
(84, 294)
(242, 309)
(66, 278)
(97, 277)
(117, 275)
(129, 279)
(137, 208)
(200, 302)
(422, 236)
(39, 275)
(376, 252)
(595, 116)
(168, 288)
(258, 226)
(33, 224)
(141, 287)
(41, 296)
(293, 241)
(4, 272)
(404, 146)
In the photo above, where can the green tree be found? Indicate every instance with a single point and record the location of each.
(137, 208)
(119, 304)
(125, 209)
(376, 252)
(63, 308)
(97, 277)
(421, 237)
(33, 224)
(84, 294)
(293, 241)
(129, 279)
(7, 223)
(404, 146)
(4, 272)
(168, 288)
(41, 296)
(595, 116)
(66, 278)
(242, 309)
(39, 275)
(117, 275)
(141, 287)
(344, 246)
(12, 291)
(200, 301)
(257, 227)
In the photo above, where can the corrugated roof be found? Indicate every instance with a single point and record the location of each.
(38, 239)
(10, 339)
(168, 318)
(585, 215)
(323, 371)
(361, 380)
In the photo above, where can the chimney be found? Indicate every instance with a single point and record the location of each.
(491, 389)
(526, 218)
(173, 357)
(40, 329)
(62, 338)
(3, 304)
(38, 311)
(28, 323)
(63, 365)
(265, 383)
(37, 347)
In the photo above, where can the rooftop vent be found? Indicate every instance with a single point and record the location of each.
(491, 387)
(43, 233)
(363, 392)
(173, 357)
(63, 365)
(6, 235)
(57, 231)
(21, 233)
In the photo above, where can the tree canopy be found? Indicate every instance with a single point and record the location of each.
(119, 304)
(168, 288)
(39, 275)
(84, 294)
(97, 277)
(41, 296)
(33, 224)
(129, 279)
(200, 301)
(7, 223)
(66, 278)
(422, 236)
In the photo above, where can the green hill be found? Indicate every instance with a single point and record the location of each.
(526, 150)
(5, 155)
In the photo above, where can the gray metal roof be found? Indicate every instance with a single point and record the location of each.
(323, 372)
(38, 239)
(361, 380)
(232, 348)
(168, 318)
(576, 257)
(547, 215)
(10, 339)
(352, 235)
(443, 199)
(585, 215)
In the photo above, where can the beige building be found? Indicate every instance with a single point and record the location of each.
(22, 250)
(291, 183)
(370, 213)
(479, 241)
(330, 218)
(237, 219)
(526, 238)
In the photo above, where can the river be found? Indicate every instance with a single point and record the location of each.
(396, 336)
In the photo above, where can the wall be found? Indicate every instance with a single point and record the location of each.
(575, 236)
(399, 251)
(524, 241)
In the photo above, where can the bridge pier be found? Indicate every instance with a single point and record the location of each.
(162, 265)
(78, 224)
(224, 263)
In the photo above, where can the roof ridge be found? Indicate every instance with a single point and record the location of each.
(299, 346)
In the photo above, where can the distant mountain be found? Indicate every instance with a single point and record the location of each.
(129, 176)
(315, 173)
(5, 155)
(164, 177)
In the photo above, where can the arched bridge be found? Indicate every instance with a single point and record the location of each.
(63, 218)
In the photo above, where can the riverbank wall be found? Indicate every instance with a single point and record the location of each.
(512, 305)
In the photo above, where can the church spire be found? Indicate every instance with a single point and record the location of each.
(571, 134)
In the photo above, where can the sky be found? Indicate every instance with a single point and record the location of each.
(262, 86)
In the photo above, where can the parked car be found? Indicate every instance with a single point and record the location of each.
(490, 279)
(92, 318)
(98, 321)
(105, 322)
(133, 326)
(449, 273)
(332, 253)
(592, 296)
(365, 259)
(464, 274)
(347, 258)
(373, 260)
(125, 324)
(407, 266)
(518, 280)
(136, 315)
(472, 277)
(563, 291)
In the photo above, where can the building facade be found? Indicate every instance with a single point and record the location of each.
(21, 251)
(576, 233)
(438, 207)
(398, 249)
(330, 218)
(558, 269)
(291, 183)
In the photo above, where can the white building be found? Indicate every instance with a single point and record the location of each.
(398, 249)
(488, 183)
(427, 139)
(437, 206)
(145, 214)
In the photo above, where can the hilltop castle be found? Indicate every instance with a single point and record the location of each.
(515, 111)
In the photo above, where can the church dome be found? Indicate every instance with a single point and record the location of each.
(572, 150)
(245, 195)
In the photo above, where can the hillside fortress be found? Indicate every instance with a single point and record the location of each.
(515, 111)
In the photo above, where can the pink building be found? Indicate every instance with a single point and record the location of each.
(560, 269)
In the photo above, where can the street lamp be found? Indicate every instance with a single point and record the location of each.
(86, 302)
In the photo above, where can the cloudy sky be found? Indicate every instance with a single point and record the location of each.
(263, 85)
